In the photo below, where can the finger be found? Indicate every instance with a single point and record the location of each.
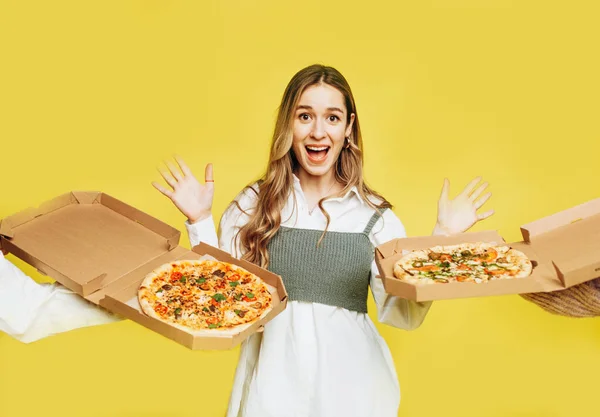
(482, 201)
(478, 191)
(162, 189)
(170, 180)
(470, 187)
(445, 190)
(485, 215)
(183, 166)
(208, 173)
(174, 171)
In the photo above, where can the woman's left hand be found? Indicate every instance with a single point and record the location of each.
(460, 214)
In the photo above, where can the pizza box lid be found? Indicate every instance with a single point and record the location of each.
(101, 248)
(570, 239)
(543, 277)
(86, 240)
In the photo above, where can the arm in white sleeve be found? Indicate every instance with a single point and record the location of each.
(30, 311)
(232, 221)
(392, 310)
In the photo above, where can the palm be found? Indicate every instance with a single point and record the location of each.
(460, 214)
(191, 197)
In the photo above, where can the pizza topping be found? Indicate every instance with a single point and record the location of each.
(240, 313)
(234, 283)
(219, 297)
(434, 256)
(177, 312)
(160, 309)
(166, 287)
(200, 280)
(218, 273)
(233, 277)
(183, 280)
(175, 276)
(428, 268)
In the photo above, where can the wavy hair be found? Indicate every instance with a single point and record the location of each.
(277, 183)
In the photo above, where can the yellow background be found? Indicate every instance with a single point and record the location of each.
(94, 95)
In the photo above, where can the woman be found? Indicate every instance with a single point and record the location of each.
(313, 220)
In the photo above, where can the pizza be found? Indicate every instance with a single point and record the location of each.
(466, 262)
(205, 296)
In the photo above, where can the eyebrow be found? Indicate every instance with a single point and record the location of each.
(303, 106)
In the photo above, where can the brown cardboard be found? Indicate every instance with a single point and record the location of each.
(102, 248)
(564, 249)
(86, 240)
(571, 240)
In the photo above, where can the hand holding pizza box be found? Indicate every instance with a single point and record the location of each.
(103, 249)
(558, 251)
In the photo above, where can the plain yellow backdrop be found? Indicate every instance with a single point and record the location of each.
(94, 95)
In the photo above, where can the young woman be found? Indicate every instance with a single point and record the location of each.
(313, 220)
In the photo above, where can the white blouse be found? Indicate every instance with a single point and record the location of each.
(314, 359)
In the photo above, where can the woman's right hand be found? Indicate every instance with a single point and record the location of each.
(193, 199)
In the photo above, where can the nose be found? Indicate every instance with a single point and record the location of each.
(318, 129)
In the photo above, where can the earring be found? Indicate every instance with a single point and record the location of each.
(347, 144)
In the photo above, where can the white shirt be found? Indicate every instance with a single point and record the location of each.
(30, 311)
(314, 359)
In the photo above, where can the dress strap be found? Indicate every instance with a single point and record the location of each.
(373, 220)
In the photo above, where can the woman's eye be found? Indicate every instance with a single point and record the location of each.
(305, 116)
(333, 118)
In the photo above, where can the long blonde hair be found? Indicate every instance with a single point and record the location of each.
(278, 181)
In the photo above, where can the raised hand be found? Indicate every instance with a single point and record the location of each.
(460, 214)
(191, 197)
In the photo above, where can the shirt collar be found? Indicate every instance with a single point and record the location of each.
(351, 191)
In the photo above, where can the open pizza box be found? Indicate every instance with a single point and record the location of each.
(564, 249)
(102, 248)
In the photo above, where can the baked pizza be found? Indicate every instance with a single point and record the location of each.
(205, 296)
(467, 262)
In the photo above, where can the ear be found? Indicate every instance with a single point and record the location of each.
(350, 124)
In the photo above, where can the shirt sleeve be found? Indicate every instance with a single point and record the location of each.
(393, 310)
(581, 300)
(30, 311)
(234, 218)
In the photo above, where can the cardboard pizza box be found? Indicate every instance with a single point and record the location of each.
(564, 249)
(101, 248)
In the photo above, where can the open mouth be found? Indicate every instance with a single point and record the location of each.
(317, 153)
